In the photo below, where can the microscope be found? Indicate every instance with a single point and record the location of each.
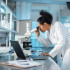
(28, 34)
(24, 40)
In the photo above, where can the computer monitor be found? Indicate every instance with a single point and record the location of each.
(21, 27)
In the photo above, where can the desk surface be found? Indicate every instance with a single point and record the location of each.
(48, 64)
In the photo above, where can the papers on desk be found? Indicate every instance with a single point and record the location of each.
(21, 63)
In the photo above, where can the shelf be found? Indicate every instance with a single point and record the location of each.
(8, 9)
(7, 30)
(8, 23)
(4, 49)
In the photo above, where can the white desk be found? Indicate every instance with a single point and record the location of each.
(48, 64)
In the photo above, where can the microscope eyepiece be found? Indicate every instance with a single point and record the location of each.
(34, 29)
(37, 27)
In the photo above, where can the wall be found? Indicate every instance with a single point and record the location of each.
(23, 10)
(26, 10)
(54, 9)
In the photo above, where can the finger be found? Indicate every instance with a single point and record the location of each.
(45, 52)
(41, 54)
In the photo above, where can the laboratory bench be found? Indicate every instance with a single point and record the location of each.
(48, 64)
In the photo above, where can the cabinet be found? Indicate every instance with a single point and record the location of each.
(8, 22)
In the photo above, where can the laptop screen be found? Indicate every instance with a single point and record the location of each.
(17, 49)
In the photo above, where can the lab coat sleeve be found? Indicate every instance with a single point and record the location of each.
(61, 40)
(45, 42)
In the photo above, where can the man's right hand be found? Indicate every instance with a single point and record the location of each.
(37, 33)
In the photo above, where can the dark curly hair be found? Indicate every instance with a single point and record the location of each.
(45, 17)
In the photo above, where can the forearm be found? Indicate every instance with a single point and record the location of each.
(43, 41)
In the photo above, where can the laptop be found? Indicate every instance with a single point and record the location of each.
(21, 54)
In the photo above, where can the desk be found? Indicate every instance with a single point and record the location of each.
(48, 64)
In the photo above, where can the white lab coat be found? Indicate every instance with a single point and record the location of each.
(59, 36)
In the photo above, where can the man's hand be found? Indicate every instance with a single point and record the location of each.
(37, 33)
(44, 53)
